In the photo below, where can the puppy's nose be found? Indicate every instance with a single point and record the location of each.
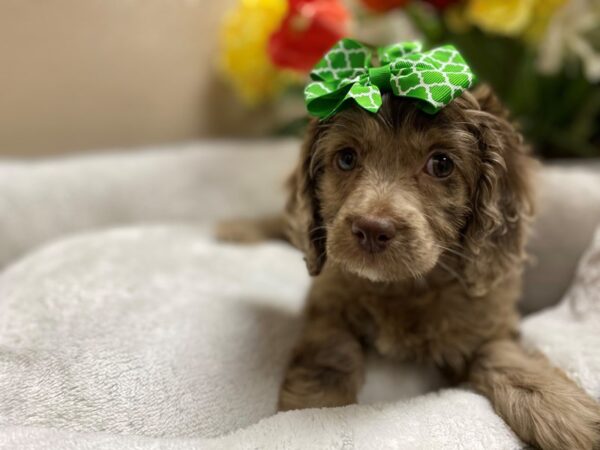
(373, 233)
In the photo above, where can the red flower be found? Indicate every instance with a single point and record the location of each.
(384, 5)
(441, 4)
(310, 28)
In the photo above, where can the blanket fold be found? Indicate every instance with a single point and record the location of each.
(148, 337)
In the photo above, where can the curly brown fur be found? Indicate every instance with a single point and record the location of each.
(444, 287)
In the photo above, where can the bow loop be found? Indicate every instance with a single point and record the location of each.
(389, 53)
(346, 60)
(346, 75)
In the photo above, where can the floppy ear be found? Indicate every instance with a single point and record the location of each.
(502, 200)
(305, 224)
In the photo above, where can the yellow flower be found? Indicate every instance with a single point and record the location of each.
(506, 17)
(244, 39)
(543, 12)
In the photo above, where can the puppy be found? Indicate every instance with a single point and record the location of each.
(414, 227)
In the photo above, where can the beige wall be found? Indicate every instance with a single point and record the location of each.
(87, 74)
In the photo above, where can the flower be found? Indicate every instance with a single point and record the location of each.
(310, 28)
(543, 12)
(569, 33)
(506, 17)
(384, 5)
(244, 58)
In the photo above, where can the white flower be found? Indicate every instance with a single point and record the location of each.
(569, 35)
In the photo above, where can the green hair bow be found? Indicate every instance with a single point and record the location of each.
(346, 74)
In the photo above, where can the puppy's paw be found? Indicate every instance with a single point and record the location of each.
(572, 424)
(243, 231)
(327, 370)
(542, 405)
(310, 393)
(554, 416)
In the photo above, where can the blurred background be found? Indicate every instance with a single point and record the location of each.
(82, 75)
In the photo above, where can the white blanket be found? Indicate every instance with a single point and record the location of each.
(43, 200)
(158, 337)
(146, 337)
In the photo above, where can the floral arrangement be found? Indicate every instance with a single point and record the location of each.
(541, 56)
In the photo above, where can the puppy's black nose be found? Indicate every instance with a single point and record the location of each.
(373, 233)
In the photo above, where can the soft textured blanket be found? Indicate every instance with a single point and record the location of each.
(43, 200)
(159, 337)
(161, 333)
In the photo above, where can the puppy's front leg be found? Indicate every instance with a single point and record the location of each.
(327, 367)
(538, 401)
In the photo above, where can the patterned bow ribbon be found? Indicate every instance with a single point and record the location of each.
(346, 74)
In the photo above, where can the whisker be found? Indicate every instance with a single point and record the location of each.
(321, 227)
(413, 273)
(454, 274)
(454, 252)
(321, 255)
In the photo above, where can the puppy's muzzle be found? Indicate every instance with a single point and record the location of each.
(373, 233)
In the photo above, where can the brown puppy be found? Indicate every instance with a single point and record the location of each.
(415, 226)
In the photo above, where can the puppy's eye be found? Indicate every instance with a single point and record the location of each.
(439, 165)
(346, 159)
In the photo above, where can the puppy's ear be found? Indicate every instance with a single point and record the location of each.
(305, 224)
(502, 201)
